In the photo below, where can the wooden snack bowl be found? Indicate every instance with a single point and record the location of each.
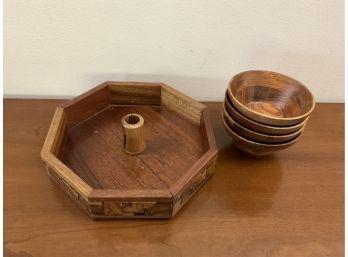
(130, 150)
(259, 127)
(256, 148)
(256, 136)
(270, 98)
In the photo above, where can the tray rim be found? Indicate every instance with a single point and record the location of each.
(189, 183)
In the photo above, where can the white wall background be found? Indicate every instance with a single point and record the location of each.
(62, 48)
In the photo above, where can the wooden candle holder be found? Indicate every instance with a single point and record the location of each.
(133, 134)
(115, 169)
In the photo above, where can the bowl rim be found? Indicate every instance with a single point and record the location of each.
(265, 115)
(297, 132)
(281, 127)
(290, 142)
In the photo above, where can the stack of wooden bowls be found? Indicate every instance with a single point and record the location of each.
(265, 111)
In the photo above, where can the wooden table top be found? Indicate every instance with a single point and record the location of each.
(288, 204)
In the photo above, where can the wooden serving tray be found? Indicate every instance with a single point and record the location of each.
(84, 150)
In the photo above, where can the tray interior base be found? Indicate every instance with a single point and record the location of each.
(93, 149)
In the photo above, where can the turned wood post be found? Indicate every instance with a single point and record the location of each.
(133, 134)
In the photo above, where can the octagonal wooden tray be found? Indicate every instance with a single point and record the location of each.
(83, 150)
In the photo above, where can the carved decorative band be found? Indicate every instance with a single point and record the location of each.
(104, 210)
(114, 209)
(201, 178)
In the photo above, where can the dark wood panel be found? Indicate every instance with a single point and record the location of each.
(287, 204)
(86, 105)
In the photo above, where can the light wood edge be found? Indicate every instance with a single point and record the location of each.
(158, 216)
(56, 126)
(98, 195)
(181, 104)
(196, 168)
(207, 131)
(132, 83)
(193, 180)
(52, 141)
(71, 192)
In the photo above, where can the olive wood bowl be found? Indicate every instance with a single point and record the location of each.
(259, 127)
(255, 136)
(256, 148)
(270, 98)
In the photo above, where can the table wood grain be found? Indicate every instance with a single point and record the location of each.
(288, 204)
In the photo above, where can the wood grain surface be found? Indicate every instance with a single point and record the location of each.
(287, 204)
(94, 149)
(256, 136)
(270, 97)
(256, 126)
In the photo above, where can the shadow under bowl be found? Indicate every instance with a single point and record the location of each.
(270, 98)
